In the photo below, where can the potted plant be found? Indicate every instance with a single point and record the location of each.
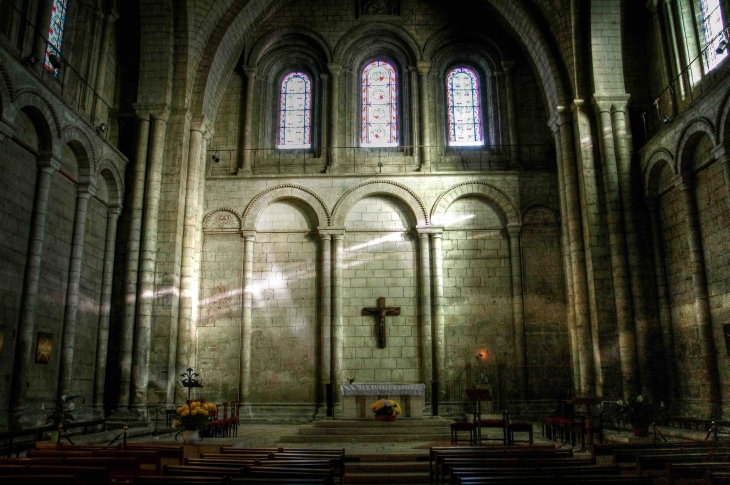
(640, 413)
(191, 419)
(62, 414)
(385, 409)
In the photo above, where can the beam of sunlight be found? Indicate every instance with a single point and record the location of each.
(389, 238)
(450, 221)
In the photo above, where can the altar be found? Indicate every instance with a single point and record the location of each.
(357, 398)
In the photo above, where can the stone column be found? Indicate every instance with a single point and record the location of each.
(577, 257)
(723, 156)
(324, 124)
(248, 121)
(617, 247)
(438, 308)
(676, 55)
(415, 132)
(24, 352)
(426, 342)
(148, 261)
(83, 192)
(126, 340)
(106, 40)
(567, 264)
(43, 22)
(189, 283)
(665, 309)
(666, 77)
(424, 91)
(337, 338)
(518, 308)
(706, 349)
(325, 310)
(334, 135)
(102, 339)
(511, 114)
(245, 385)
(689, 41)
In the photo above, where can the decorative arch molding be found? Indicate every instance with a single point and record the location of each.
(222, 219)
(274, 36)
(351, 42)
(33, 97)
(660, 155)
(695, 127)
(484, 189)
(73, 135)
(450, 35)
(285, 191)
(116, 199)
(379, 187)
(723, 121)
(540, 215)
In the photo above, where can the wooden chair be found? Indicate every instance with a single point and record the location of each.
(465, 426)
(493, 424)
(513, 427)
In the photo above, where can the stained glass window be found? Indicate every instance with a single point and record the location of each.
(379, 96)
(710, 28)
(464, 110)
(295, 111)
(55, 34)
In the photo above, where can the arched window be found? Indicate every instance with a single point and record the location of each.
(55, 36)
(379, 95)
(464, 109)
(295, 111)
(710, 27)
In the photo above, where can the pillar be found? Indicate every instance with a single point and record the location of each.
(617, 247)
(518, 308)
(577, 257)
(106, 40)
(337, 331)
(148, 261)
(723, 156)
(248, 121)
(671, 27)
(662, 44)
(665, 309)
(706, 349)
(325, 310)
(189, 282)
(324, 131)
(102, 338)
(245, 374)
(511, 114)
(438, 308)
(126, 339)
(24, 352)
(334, 135)
(43, 22)
(423, 68)
(415, 116)
(426, 331)
(83, 192)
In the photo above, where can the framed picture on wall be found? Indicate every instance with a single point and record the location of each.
(43, 348)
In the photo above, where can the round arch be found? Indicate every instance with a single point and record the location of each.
(282, 35)
(82, 146)
(43, 115)
(223, 218)
(397, 38)
(540, 215)
(483, 189)
(282, 192)
(691, 135)
(107, 170)
(379, 187)
(659, 158)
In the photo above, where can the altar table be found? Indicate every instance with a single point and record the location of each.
(357, 398)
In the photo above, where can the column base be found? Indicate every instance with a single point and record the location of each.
(244, 172)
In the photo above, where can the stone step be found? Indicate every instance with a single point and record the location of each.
(371, 423)
(363, 438)
(387, 467)
(383, 431)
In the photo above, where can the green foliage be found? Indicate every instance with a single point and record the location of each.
(62, 411)
(638, 411)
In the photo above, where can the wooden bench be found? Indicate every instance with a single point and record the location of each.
(694, 471)
(53, 478)
(645, 463)
(450, 463)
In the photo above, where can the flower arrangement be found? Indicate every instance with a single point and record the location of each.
(639, 412)
(62, 411)
(386, 407)
(194, 416)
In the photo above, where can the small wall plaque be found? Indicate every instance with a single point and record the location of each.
(43, 348)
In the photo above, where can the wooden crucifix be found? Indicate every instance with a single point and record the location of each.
(381, 311)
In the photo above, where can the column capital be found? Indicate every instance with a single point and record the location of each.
(112, 16)
(429, 229)
(331, 231)
(652, 5)
(721, 154)
(86, 189)
(49, 163)
(609, 103)
(508, 66)
(514, 230)
(324, 76)
(114, 211)
(334, 68)
(578, 105)
(156, 111)
(423, 67)
(200, 123)
(683, 182)
(250, 72)
(248, 235)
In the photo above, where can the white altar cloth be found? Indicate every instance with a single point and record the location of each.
(356, 399)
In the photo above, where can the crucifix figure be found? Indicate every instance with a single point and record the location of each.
(381, 311)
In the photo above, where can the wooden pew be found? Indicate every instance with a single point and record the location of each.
(552, 479)
(460, 476)
(694, 471)
(54, 479)
(646, 463)
(91, 475)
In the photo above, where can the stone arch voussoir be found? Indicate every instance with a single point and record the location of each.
(222, 219)
(697, 126)
(379, 187)
(505, 203)
(658, 156)
(283, 192)
(51, 132)
(538, 214)
(76, 137)
(116, 193)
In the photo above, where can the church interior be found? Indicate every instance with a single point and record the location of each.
(301, 198)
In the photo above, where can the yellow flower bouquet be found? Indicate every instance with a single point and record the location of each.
(386, 407)
(194, 416)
